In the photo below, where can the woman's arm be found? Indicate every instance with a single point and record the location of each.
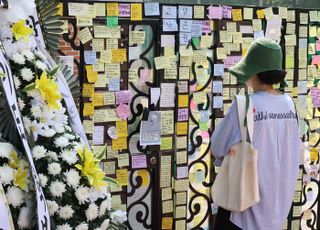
(226, 134)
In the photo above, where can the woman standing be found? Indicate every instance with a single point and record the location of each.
(275, 136)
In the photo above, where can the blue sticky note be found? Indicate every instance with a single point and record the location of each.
(114, 84)
(90, 57)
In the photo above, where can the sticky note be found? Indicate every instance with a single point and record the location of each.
(166, 143)
(167, 222)
(112, 9)
(136, 12)
(112, 21)
(85, 35)
(87, 90)
(92, 76)
(183, 101)
(260, 14)
(122, 128)
(119, 144)
(88, 109)
(182, 128)
(237, 14)
(97, 99)
(122, 176)
(119, 55)
(124, 10)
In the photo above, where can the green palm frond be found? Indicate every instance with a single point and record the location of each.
(74, 84)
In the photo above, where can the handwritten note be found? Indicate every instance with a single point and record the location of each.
(169, 25)
(92, 76)
(88, 126)
(165, 171)
(90, 57)
(237, 14)
(198, 11)
(98, 135)
(123, 96)
(119, 144)
(85, 35)
(167, 40)
(136, 12)
(151, 9)
(167, 206)
(167, 121)
(167, 95)
(114, 84)
(166, 143)
(169, 11)
(119, 55)
(83, 21)
(122, 176)
(88, 109)
(124, 10)
(167, 223)
(139, 161)
(137, 37)
(87, 90)
(185, 11)
(181, 157)
(123, 160)
(112, 9)
(123, 111)
(215, 12)
(122, 128)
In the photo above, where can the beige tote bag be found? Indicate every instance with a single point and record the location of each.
(236, 185)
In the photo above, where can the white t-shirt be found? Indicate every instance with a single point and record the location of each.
(276, 137)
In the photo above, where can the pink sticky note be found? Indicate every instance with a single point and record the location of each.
(226, 11)
(139, 161)
(193, 87)
(231, 61)
(206, 28)
(123, 111)
(124, 10)
(145, 75)
(215, 12)
(192, 105)
(205, 134)
(318, 45)
(123, 97)
(316, 60)
(315, 95)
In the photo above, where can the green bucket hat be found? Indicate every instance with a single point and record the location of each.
(262, 55)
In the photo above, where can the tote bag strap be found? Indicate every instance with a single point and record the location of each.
(245, 115)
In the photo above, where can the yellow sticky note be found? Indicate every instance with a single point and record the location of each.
(112, 9)
(167, 222)
(87, 90)
(260, 14)
(92, 75)
(85, 35)
(122, 176)
(237, 14)
(136, 12)
(60, 9)
(119, 55)
(295, 91)
(198, 11)
(289, 62)
(182, 128)
(166, 143)
(314, 154)
(122, 128)
(97, 99)
(183, 101)
(88, 109)
(119, 144)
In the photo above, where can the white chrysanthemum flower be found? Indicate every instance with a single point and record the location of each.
(10, 48)
(36, 111)
(5, 150)
(38, 152)
(72, 178)
(66, 212)
(57, 188)
(119, 216)
(6, 32)
(27, 74)
(21, 104)
(105, 224)
(40, 55)
(82, 194)
(43, 180)
(92, 212)
(6, 174)
(82, 226)
(69, 156)
(61, 142)
(53, 207)
(54, 169)
(48, 132)
(104, 206)
(68, 128)
(41, 65)
(23, 45)
(96, 194)
(97, 229)
(25, 218)
(28, 54)
(59, 129)
(19, 59)
(64, 227)
(53, 156)
(15, 196)
(69, 136)
(17, 82)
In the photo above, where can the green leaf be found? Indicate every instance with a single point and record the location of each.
(54, 71)
(111, 180)
(29, 87)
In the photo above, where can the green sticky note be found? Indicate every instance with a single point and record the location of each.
(312, 40)
(289, 62)
(203, 126)
(196, 41)
(112, 21)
